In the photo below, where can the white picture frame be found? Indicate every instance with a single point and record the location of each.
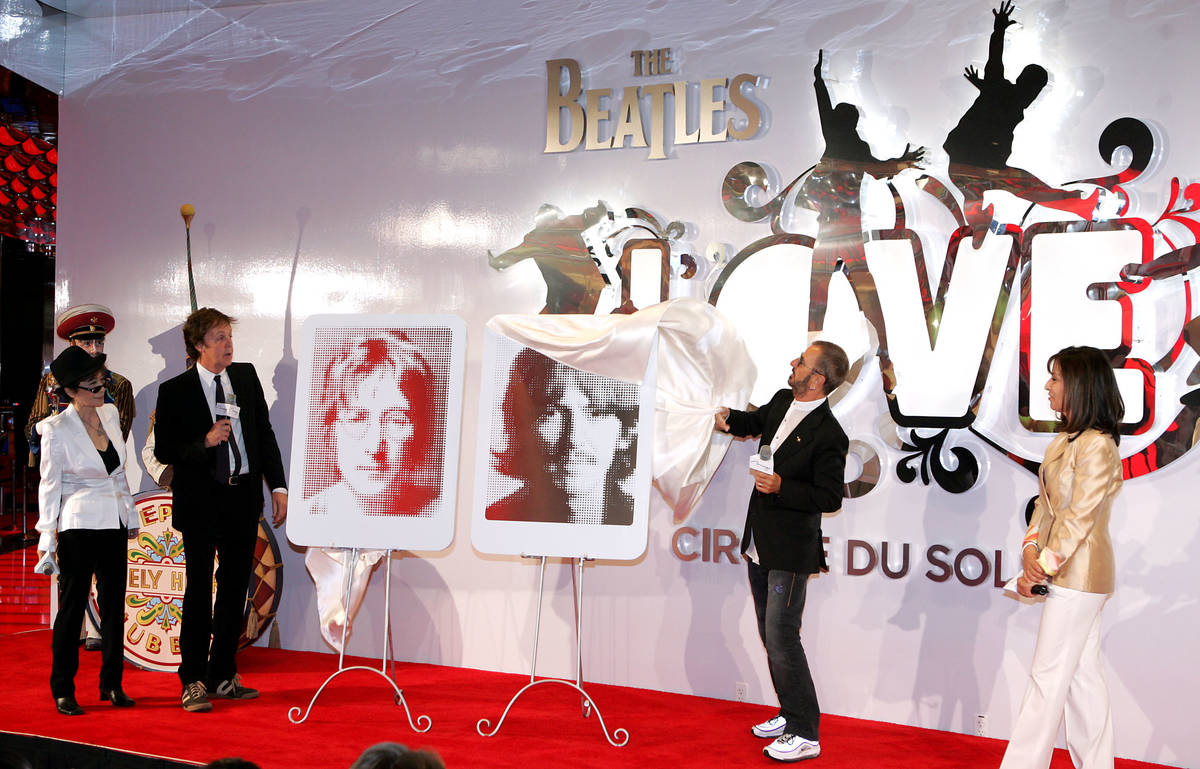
(525, 512)
(375, 438)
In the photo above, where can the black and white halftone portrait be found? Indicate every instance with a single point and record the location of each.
(562, 454)
(568, 438)
(377, 428)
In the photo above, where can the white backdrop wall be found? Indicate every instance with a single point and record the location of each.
(384, 151)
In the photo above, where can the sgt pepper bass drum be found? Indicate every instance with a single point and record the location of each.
(155, 581)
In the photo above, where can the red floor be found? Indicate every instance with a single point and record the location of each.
(24, 596)
(544, 728)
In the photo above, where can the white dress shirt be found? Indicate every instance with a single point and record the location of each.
(208, 381)
(797, 411)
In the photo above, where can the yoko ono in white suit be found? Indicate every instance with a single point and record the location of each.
(85, 514)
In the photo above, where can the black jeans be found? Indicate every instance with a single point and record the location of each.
(82, 553)
(779, 604)
(208, 636)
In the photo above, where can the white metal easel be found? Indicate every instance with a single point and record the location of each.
(423, 722)
(621, 735)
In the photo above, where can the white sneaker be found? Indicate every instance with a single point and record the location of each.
(789, 747)
(772, 727)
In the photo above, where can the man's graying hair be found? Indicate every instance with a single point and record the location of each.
(833, 364)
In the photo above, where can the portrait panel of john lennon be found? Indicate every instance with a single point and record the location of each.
(376, 424)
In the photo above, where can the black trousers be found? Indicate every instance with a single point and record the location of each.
(81, 554)
(210, 629)
(779, 606)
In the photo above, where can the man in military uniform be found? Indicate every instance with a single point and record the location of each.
(86, 326)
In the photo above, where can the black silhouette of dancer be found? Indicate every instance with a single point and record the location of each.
(839, 128)
(979, 146)
(834, 190)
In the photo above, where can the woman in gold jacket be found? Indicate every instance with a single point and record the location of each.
(1067, 545)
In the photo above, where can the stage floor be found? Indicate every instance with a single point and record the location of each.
(544, 728)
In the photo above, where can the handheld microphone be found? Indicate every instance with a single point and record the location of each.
(228, 408)
(46, 565)
(1041, 588)
(763, 461)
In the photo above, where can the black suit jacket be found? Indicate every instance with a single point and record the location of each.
(183, 419)
(811, 462)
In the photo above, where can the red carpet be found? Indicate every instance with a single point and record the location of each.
(24, 596)
(544, 728)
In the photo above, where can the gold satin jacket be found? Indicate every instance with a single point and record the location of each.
(1078, 481)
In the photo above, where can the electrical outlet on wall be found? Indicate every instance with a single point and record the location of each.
(741, 691)
(981, 729)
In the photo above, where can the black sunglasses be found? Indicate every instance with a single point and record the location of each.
(92, 390)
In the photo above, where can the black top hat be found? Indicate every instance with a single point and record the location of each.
(73, 365)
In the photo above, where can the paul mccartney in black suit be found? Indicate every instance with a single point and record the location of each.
(222, 448)
(782, 541)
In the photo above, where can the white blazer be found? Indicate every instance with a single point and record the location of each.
(76, 491)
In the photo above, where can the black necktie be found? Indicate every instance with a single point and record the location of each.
(223, 456)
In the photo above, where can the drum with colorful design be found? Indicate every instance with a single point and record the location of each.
(155, 581)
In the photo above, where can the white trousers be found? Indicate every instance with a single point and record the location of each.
(1066, 679)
